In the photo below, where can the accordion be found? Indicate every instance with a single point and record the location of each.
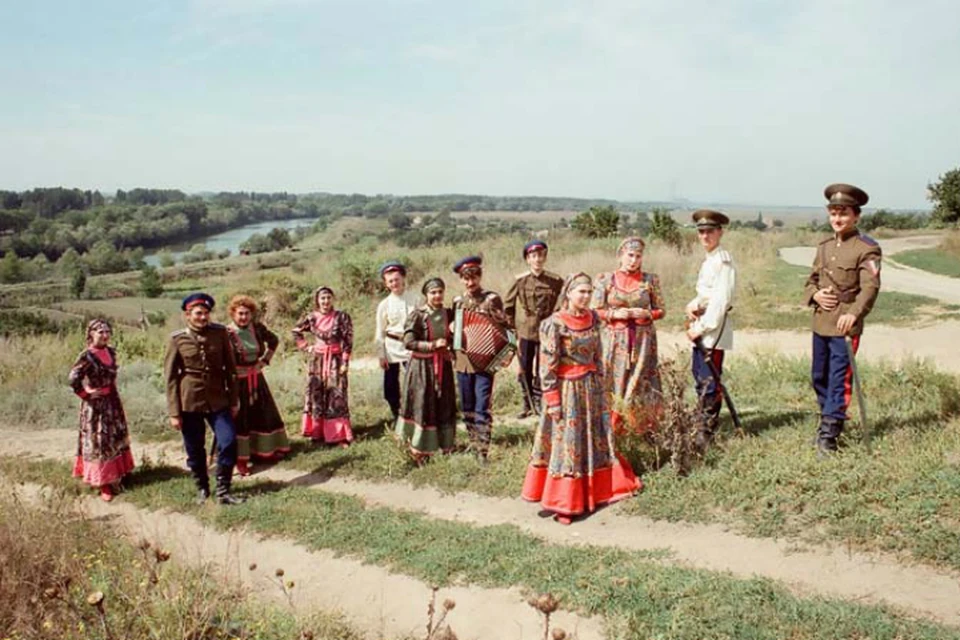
(488, 345)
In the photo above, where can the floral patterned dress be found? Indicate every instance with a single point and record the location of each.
(103, 450)
(328, 341)
(428, 415)
(630, 358)
(260, 430)
(573, 467)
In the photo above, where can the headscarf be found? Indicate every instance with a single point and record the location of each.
(634, 243)
(433, 283)
(96, 325)
(571, 281)
(320, 290)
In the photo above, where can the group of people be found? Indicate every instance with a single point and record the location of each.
(587, 354)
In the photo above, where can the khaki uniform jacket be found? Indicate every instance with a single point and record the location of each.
(200, 371)
(486, 302)
(537, 296)
(851, 267)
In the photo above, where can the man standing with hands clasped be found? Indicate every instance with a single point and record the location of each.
(710, 325)
(200, 374)
(392, 315)
(535, 291)
(843, 285)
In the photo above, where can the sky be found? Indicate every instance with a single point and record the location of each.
(723, 101)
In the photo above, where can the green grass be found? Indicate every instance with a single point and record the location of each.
(933, 260)
(638, 595)
(45, 586)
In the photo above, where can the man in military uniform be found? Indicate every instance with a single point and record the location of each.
(199, 370)
(536, 292)
(476, 387)
(392, 315)
(842, 287)
(710, 325)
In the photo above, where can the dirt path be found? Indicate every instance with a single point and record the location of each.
(379, 603)
(856, 576)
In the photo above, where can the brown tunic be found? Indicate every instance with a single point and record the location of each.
(200, 371)
(537, 296)
(851, 267)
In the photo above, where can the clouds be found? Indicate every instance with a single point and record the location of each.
(740, 100)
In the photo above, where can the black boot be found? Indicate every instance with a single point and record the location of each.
(709, 421)
(203, 488)
(827, 434)
(224, 478)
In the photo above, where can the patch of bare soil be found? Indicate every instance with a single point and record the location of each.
(924, 591)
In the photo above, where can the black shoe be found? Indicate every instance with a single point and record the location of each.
(224, 477)
(202, 495)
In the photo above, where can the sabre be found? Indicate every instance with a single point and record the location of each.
(861, 403)
(698, 345)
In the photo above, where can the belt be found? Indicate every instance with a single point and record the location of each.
(848, 296)
(250, 373)
(394, 336)
(327, 351)
(438, 357)
(574, 371)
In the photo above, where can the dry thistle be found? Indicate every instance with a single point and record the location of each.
(559, 634)
(144, 544)
(547, 604)
(306, 634)
(161, 555)
(449, 604)
(278, 573)
(291, 584)
(253, 566)
(95, 599)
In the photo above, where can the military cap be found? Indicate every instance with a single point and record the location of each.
(195, 299)
(534, 245)
(467, 263)
(846, 195)
(392, 265)
(709, 219)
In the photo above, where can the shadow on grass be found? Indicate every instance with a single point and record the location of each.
(759, 422)
(328, 469)
(145, 476)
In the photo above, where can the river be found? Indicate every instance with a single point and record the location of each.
(231, 239)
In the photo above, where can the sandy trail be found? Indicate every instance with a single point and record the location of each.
(379, 603)
(874, 578)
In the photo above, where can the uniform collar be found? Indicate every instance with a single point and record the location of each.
(715, 251)
(846, 236)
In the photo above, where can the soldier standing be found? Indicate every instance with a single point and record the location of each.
(476, 387)
(392, 315)
(536, 292)
(843, 285)
(710, 325)
(200, 374)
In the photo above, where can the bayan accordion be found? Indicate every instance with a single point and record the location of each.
(487, 344)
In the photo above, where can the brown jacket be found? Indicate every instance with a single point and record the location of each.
(199, 370)
(851, 267)
(537, 296)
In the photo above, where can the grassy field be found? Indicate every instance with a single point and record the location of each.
(47, 588)
(933, 260)
(637, 595)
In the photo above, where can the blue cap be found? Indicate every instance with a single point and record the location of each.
(534, 245)
(194, 299)
(469, 261)
(392, 265)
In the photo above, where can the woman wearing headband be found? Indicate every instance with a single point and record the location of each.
(260, 431)
(573, 467)
(326, 335)
(103, 452)
(428, 416)
(628, 302)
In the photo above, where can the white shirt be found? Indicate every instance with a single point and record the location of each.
(392, 315)
(715, 287)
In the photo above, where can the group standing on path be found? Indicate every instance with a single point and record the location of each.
(588, 365)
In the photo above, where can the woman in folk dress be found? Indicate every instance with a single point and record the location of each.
(628, 302)
(574, 467)
(103, 451)
(326, 335)
(428, 416)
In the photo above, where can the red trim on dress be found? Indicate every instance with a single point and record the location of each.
(570, 496)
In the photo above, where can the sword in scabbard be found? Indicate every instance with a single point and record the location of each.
(715, 374)
(861, 403)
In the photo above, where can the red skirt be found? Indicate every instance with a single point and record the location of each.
(570, 496)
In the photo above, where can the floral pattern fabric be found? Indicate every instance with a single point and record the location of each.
(328, 341)
(632, 376)
(103, 448)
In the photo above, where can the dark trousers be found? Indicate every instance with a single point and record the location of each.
(391, 387)
(476, 391)
(832, 374)
(528, 353)
(709, 393)
(194, 434)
